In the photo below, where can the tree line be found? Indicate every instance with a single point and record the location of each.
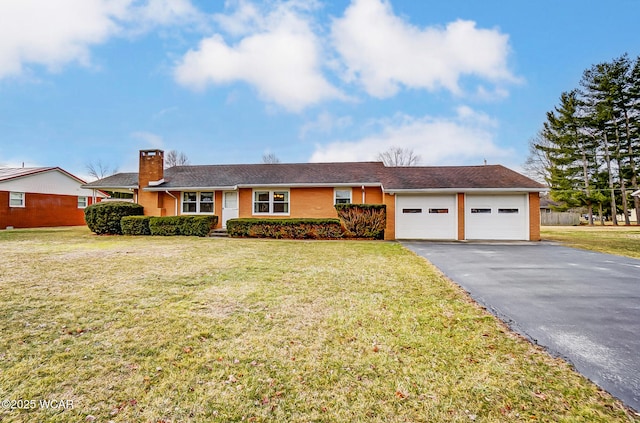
(588, 149)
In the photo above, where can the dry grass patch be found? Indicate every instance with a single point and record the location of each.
(619, 240)
(187, 329)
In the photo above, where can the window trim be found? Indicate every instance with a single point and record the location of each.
(271, 202)
(335, 195)
(86, 202)
(198, 202)
(22, 199)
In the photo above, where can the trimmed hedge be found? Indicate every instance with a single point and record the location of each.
(182, 225)
(285, 228)
(135, 225)
(363, 220)
(104, 217)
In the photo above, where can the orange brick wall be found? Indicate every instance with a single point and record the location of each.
(461, 234)
(42, 210)
(390, 230)
(534, 216)
(217, 207)
(309, 202)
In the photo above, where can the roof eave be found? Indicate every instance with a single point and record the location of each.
(110, 187)
(189, 188)
(460, 189)
(261, 185)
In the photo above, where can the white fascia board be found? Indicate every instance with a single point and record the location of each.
(323, 185)
(111, 188)
(636, 193)
(163, 189)
(464, 190)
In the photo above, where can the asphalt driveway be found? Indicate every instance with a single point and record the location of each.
(580, 305)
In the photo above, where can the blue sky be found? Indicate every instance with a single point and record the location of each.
(225, 82)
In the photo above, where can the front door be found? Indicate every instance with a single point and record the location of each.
(229, 206)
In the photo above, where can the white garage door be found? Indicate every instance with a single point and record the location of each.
(426, 217)
(502, 217)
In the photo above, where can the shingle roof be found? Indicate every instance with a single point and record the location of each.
(353, 173)
(449, 177)
(7, 173)
(273, 174)
(18, 172)
(119, 180)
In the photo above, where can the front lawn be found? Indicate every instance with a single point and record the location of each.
(153, 329)
(619, 240)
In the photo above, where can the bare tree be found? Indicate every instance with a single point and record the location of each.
(99, 169)
(537, 164)
(175, 158)
(398, 156)
(270, 158)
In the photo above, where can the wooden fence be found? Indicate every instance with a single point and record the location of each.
(559, 219)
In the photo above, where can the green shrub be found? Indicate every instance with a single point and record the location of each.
(285, 228)
(135, 225)
(363, 220)
(104, 217)
(182, 225)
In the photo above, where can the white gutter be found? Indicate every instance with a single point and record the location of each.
(313, 185)
(175, 202)
(235, 187)
(163, 189)
(467, 190)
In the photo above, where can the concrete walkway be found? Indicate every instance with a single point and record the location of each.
(580, 305)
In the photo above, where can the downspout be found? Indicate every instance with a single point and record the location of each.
(175, 201)
(363, 199)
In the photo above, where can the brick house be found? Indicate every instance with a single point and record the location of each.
(448, 203)
(43, 196)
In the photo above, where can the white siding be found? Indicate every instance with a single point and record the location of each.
(50, 182)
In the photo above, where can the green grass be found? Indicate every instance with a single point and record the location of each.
(619, 240)
(155, 329)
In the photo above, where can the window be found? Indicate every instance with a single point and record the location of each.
(261, 202)
(16, 199)
(439, 211)
(411, 210)
(342, 196)
(509, 211)
(82, 202)
(271, 202)
(206, 202)
(197, 202)
(481, 211)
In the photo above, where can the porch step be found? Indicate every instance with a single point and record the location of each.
(219, 233)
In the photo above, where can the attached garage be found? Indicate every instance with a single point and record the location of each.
(497, 217)
(426, 216)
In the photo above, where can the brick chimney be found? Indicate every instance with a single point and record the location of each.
(151, 173)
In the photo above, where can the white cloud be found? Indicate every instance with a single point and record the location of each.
(281, 57)
(384, 52)
(466, 138)
(166, 12)
(152, 140)
(55, 33)
(325, 123)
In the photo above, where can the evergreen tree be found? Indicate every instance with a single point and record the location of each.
(571, 154)
(589, 148)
